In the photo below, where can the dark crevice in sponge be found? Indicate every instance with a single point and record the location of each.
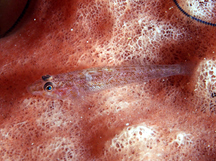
(18, 20)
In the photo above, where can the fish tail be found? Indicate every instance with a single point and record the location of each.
(188, 68)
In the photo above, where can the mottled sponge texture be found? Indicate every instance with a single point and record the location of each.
(172, 118)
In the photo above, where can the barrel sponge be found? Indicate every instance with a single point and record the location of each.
(204, 10)
(142, 142)
(206, 86)
(170, 118)
(137, 32)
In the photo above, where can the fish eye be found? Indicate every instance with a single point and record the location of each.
(48, 86)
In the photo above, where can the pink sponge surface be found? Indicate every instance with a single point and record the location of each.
(169, 118)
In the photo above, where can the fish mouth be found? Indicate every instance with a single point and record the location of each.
(35, 88)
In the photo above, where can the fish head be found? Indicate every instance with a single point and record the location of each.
(53, 88)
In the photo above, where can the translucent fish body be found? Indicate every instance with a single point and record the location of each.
(79, 83)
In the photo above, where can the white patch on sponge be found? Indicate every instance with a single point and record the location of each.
(183, 138)
(137, 32)
(201, 9)
(206, 85)
(143, 142)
